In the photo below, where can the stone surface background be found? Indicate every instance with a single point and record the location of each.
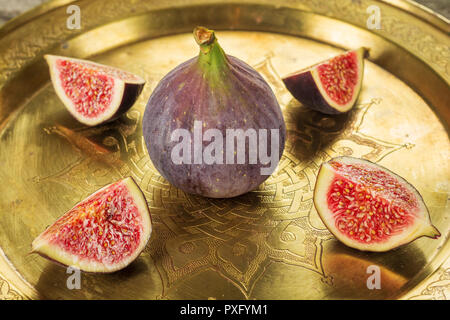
(440, 6)
(11, 8)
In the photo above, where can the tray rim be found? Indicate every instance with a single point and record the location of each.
(410, 7)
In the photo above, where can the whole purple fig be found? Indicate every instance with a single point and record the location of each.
(213, 126)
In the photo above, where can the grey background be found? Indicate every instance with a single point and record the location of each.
(11, 8)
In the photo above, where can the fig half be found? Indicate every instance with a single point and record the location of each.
(103, 233)
(93, 93)
(331, 86)
(368, 207)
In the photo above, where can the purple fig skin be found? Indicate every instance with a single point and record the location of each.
(130, 94)
(241, 99)
(303, 87)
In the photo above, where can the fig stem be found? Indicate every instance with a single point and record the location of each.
(204, 36)
(211, 56)
(433, 232)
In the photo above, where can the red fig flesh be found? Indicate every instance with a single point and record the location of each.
(332, 86)
(91, 92)
(103, 233)
(368, 207)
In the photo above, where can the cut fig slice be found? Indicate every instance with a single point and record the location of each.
(368, 207)
(331, 86)
(103, 233)
(93, 93)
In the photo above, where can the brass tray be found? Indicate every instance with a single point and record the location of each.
(268, 244)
